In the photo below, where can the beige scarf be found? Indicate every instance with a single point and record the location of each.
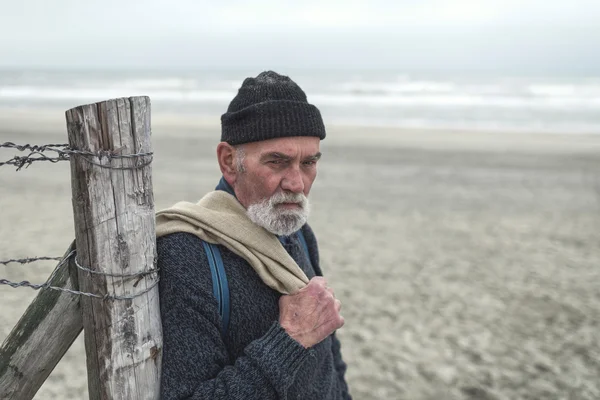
(220, 218)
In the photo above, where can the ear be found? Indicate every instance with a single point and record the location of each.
(226, 157)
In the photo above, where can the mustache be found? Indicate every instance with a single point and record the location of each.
(287, 197)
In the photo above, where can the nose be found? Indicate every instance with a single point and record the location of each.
(292, 182)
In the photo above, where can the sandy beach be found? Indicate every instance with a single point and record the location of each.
(467, 263)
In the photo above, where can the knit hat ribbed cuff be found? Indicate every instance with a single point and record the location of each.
(271, 119)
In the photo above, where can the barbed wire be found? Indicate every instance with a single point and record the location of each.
(64, 260)
(29, 260)
(33, 147)
(132, 275)
(64, 153)
(75, 292)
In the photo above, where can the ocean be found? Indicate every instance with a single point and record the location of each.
(467, 101)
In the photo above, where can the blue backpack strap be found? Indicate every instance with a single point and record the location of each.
(304, 245)
(219, 280)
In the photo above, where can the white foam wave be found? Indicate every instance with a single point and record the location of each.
(175, 94)
(361, 87)
(150, 84)
(565, 90)
(584, 89)
(99, 94)
(458, 100)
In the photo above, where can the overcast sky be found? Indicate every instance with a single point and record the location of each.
(432, 34)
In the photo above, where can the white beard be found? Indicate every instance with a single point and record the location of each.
(282, 222)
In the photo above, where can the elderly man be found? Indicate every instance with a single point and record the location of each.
(263, 327)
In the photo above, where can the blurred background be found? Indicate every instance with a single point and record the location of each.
(458, 199)
(502, 65)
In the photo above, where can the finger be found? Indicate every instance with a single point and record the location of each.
(302, 289)
(318, 280)
(325, 294)
(338, 305)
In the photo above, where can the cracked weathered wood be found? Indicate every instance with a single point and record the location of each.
(115, 234)
(41, 337)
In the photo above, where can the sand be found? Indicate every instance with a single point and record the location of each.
(467, 263)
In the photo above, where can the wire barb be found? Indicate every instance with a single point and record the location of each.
(29, 260)
(64, 153)
(132, 275)
(76, 292)
(72, 254)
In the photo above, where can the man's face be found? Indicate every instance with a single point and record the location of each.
(275, 179)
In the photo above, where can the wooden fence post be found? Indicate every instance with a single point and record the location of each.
(114, 216)
(42, 336)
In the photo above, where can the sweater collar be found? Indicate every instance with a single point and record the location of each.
(226, 187)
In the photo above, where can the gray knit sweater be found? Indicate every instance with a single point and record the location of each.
(257, 359)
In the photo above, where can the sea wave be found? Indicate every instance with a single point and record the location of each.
(170, 91)
(98, 94)
(534, 103)
(566, 90)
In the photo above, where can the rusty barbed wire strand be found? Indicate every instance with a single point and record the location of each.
(29, 260)
(65, 149)
(75, 292)
(64, 153)
(26, 161)
(132, 275)
(62, 262)
(144, 164)
(47, 284)
(33, 147)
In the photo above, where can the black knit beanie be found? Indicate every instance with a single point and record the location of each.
(267, 107)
